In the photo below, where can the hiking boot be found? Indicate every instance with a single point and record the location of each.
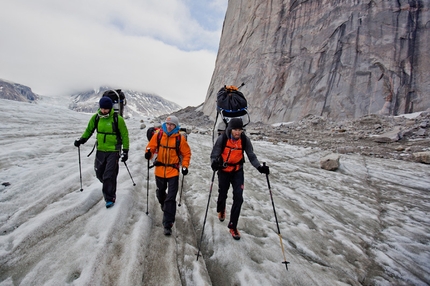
(109, 204)
(167, 230)
(221, 215)
(235, 233)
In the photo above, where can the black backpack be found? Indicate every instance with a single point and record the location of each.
(231, 103)
(150, 132)
(118, 99)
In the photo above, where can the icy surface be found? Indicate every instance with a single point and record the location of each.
(366, 223)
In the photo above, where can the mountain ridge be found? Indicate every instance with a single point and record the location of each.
(138, 103)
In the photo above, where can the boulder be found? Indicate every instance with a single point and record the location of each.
(330, 162)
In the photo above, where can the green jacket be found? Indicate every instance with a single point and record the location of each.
(106, 135)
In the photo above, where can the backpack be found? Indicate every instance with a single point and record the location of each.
(231, 103)
(118, 99)
(150, 132)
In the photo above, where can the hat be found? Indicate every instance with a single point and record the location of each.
(106, 103)
(172, 119)
(235, 123)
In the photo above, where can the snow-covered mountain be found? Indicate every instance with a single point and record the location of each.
(138, 103)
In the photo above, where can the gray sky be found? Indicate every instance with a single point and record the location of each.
(59, 47)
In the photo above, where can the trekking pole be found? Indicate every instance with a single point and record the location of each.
(80, 171)
(276, 219)
(206, 214)
(182, 187)
(147, 188)
(134, 184)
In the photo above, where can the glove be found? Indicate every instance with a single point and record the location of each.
(216, 164)
(263, 169)
(80, 141)
(124, 155)
(148, 154)
(184, 171)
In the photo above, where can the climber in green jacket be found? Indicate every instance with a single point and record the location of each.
(112, 133)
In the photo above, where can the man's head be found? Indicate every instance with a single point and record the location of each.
(106, 104)
(171, 122)
(236, 127)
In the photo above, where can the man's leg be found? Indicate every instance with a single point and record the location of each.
(170, 202)
(237, 184)
(110, 176)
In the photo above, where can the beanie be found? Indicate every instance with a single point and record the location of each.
(105, 102)
(235, 123)
(172, 119)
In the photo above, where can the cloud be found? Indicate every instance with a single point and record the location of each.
(60, 47)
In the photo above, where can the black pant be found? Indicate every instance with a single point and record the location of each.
(236, 180)
(107, 167)
(167, 200)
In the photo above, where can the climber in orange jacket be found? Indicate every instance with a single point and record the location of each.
(173, 155)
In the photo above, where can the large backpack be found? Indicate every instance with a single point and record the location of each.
(118, 99)
(231, 103)
(150, 132)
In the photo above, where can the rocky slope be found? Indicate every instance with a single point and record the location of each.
(18, 92)
(395, 137)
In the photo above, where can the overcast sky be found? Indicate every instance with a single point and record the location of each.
(164, 47)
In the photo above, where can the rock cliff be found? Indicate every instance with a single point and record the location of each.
(18, 92)
(340, 59)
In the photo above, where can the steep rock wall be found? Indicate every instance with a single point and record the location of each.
(340, 59)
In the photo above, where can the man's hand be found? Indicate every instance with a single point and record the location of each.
(184, 171)
(264, 169)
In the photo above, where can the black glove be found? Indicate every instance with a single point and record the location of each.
(148, 154)
(124, 156)
(184, 171)
(80, 141)
(216, 164)
(263, 169)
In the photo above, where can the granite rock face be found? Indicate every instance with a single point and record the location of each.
(340, 59)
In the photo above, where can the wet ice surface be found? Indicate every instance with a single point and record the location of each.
(366, 223)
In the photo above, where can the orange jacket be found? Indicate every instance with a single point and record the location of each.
(167, 163)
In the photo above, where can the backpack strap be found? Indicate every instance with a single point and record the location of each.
(243, 141)
(115, 130)
(178, 143)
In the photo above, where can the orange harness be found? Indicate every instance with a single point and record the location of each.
(232, 155)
